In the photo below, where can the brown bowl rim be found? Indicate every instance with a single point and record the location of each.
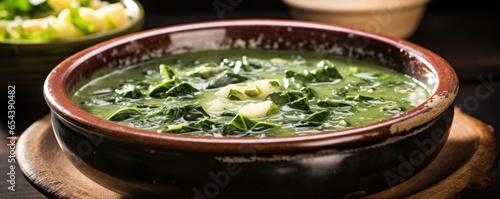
(63, 108)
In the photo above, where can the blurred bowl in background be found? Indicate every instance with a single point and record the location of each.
(397, 18)
(25, 65)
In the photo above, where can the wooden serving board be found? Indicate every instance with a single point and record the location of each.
(464, 163)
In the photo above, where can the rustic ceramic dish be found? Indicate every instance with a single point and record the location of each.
(27, 64)
(347, 163)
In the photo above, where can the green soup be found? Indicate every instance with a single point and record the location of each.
(260, 93)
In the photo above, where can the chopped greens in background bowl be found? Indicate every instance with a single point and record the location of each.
(35, 36)
(53, 20)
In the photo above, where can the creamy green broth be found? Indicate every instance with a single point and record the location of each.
(260, 93)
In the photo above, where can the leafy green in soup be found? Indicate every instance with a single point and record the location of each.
(260, 93)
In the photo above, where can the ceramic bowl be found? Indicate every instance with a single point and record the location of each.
(391, 17)
(26, 65)
(352, 162)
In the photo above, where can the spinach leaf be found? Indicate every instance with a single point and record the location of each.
(336, 102)
(224, 79)
(301, 104)
(326, 72)
(173, 113)
(207, 124)
(284, 97)
(204, 125)
(298, 79)
(124, 113)
(261, 126)
(194, 112)
(180, 113)
(358, 97)
(241, 124)
(294, 99)
(180, 128)
(317, 118)
(227, 114)
(166, 72)
(273, 110)
(308, 92)
(169, 87)
(159, 91)
(129, 91)
(183, 89)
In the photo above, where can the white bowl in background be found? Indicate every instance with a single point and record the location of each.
(397, 18)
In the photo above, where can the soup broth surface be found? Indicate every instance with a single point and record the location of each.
(249, 92)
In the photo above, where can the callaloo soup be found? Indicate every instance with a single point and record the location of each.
(244, 92)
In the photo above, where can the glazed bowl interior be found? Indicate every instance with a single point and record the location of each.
(334, 164)
(410, 59)
(27, 64)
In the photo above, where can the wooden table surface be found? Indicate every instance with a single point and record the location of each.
(465, 35)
